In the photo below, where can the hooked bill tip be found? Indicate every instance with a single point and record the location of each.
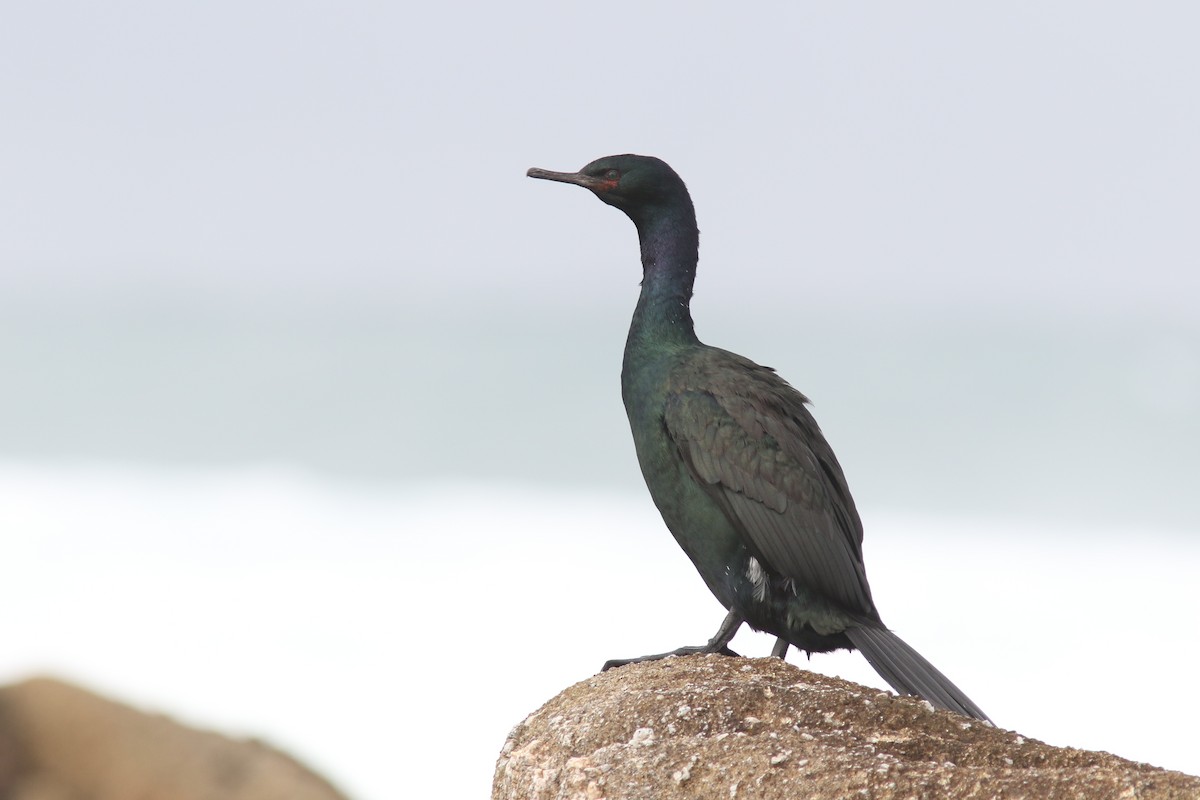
(538, 172)
(576, 178)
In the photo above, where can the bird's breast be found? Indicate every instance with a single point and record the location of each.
(696, 521)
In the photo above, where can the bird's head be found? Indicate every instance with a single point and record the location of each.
(641, 186)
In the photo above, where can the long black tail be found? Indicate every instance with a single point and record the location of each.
(909, 673)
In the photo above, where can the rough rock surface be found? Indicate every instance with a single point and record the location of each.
(59, 742)
(716, 727)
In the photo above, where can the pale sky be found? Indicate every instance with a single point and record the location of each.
(936, 155)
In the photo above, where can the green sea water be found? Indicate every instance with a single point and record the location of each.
(1095, 421)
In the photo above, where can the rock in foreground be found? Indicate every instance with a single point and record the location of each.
(716, 727)
(59, 742)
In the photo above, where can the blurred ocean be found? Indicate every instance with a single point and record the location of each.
(1084, 421)
(359, 532)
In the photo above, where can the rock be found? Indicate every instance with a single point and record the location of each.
(59, 742)
(717, 727)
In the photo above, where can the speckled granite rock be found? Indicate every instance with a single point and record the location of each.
(715, 727)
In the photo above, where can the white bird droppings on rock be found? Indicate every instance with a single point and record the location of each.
(643, 737)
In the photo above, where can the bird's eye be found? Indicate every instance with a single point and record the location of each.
(613, 175)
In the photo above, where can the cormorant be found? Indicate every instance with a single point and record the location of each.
(735, 462)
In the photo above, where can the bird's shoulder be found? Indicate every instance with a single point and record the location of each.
(741, 426)
(749, 437)
(731, 400)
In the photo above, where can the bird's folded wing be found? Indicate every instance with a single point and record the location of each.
(762, 456)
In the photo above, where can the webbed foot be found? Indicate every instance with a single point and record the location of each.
(719, 644)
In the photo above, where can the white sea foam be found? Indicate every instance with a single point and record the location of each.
(350, 625)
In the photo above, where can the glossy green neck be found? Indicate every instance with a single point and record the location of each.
(670, 249)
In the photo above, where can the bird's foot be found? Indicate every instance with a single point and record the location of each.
(682, 651)
(717, 644)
